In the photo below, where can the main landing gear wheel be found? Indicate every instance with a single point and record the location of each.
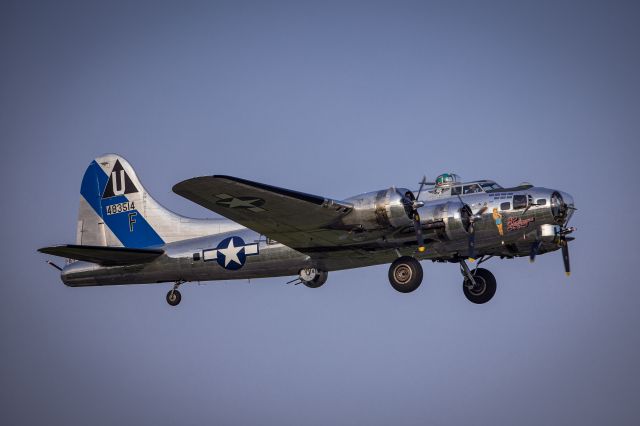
(405, 274)
(313, 278)
(484, 289)
(174, 297)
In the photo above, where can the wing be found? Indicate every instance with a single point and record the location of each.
(298, 220)
(106, 256)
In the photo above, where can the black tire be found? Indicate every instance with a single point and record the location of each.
(405, 274)
(485, 287)
(174, 297)
(318, 280)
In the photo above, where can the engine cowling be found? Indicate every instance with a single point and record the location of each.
(380, 209)
(446, 221)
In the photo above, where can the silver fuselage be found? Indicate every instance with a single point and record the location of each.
(184, 260)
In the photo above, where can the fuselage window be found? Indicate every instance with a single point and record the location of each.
(542, 202)
(472, 189)
(519, 201)
(456, 190)
(196, 257)
(505, 206)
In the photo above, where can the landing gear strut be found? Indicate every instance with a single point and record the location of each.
(479, 285)
(405, 274)
(173, 296)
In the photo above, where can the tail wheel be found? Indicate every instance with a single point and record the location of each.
(485, 287)
(174, 297)
(405, 274)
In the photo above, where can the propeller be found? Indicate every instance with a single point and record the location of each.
(563, 242)
(471, 218)
(472, 230)
(535, 248)
(565, 256)
(418, 227)
(412, 203)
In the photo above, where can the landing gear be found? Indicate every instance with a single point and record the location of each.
(312, 277)
(173, 296)
(405, 274)
(478, 286)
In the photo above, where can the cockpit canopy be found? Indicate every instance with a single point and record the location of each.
(449, 184)
(474, 187)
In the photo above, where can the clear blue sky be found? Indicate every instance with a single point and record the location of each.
(331, 98)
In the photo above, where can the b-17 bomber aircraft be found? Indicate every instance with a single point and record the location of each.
(125, 237)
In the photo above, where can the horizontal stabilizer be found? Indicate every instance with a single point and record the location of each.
(106, 256)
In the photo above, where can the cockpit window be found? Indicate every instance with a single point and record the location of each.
(490, 185)
(456, 190)
(472, 189)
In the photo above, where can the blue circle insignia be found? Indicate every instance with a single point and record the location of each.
(231, 253)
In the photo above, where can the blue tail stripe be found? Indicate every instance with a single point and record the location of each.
(93, 184)
(131, 228)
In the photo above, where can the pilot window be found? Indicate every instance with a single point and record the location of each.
(490, 185)
(472, 189)
(505, 206)
(456, 190)
(519, 201)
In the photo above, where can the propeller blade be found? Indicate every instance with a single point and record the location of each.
(472, 239)
(535, 247)
(423, 182)
(565, 258)
(482, 210)
(472, 245)
(411, 206)
(418, 227)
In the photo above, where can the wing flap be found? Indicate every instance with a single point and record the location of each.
(105, 256)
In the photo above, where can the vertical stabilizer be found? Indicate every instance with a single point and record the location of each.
(115, 209)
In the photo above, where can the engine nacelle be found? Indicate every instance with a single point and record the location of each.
(445, 221)
(379, 209)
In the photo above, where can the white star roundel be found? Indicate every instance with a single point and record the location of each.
(249, 203)
(231, 253)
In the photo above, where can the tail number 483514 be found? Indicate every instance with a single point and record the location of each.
(120, 207)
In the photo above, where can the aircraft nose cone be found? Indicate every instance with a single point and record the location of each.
(567, 198)
(568, 205)
(562, 207)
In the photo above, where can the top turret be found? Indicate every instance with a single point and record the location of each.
(447, 179)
